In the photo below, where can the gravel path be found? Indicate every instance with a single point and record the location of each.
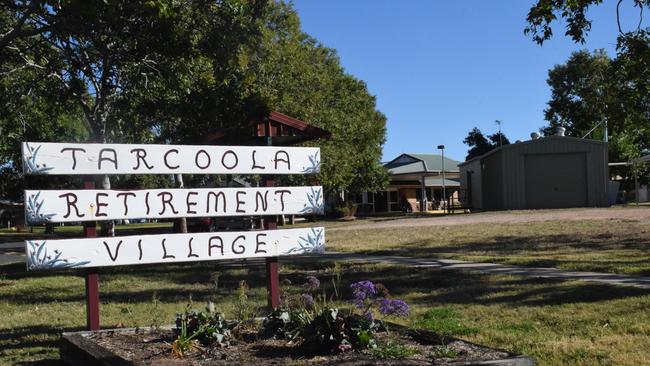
(506, 217)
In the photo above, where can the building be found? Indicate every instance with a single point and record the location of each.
(11, 213)
(549, 172)
(413, 177)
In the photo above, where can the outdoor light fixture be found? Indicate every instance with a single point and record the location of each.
(444, 190)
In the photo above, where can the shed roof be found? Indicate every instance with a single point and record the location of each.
(540, 140)
(420, 163)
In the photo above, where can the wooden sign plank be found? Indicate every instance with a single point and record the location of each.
(92, 205)
(171, 248)
(64, 158)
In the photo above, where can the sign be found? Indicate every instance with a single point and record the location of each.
(63, 158)
(95, 205)
(171, 248)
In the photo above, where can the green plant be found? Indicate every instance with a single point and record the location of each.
(444, 352)
(392, 350)
(244, 308)
(336, 279)
(192, 327)
(320, 327)
(155, 310)
(185, 341)
(330, 330)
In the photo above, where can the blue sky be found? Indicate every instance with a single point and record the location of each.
(440, 68)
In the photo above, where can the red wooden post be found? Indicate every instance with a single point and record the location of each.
(271, 223)
(272, 265)
(92, 276)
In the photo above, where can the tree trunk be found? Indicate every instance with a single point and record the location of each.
(181, 223)
(108, 227)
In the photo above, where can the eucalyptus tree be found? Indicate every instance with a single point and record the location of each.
(293, 73)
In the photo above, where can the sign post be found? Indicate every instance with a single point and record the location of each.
(91, 205)
(272, 263)
(92, 276)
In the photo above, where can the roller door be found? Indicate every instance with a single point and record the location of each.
(556, 180)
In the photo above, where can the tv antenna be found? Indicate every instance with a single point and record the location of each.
(498, 122)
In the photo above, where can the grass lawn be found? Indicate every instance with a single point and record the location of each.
(618, 246)
(556, 322)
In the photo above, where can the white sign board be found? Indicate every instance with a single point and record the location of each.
(95, 205)
(171, 248)
(64, 158)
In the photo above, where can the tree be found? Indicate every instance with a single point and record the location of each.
(113, 60)
(296, 75)
(479, 144)
(499, 139)
(591, 89)
(288, 71)
(582, 93)
(599, 89)
(543, 13)
(163, 71)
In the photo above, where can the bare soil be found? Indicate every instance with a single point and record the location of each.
(153, 348)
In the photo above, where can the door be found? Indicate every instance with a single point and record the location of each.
(381, 201)
(556, 180)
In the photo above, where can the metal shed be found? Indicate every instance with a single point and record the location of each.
(549, 172)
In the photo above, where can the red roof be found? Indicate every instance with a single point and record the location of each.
(283, 129)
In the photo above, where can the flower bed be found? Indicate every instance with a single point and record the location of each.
(151, 347)
(306, 329)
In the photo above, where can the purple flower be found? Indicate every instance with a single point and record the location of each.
(307, 300)
(312, 284)
(394, 308)
(368, 315)
(362, 291)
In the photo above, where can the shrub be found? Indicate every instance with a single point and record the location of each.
(310, 320)
(207, 328)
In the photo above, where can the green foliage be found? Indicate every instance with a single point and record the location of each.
(244, 306)
(296, 75)
(392, 350)
(326, 330)
(444, 352)
(163, 71)
(185, 341)
(479, 144)
(334, 331)
(444, 321)
(543, 13)
(320, 327)
(591, 88)
(208, 328)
